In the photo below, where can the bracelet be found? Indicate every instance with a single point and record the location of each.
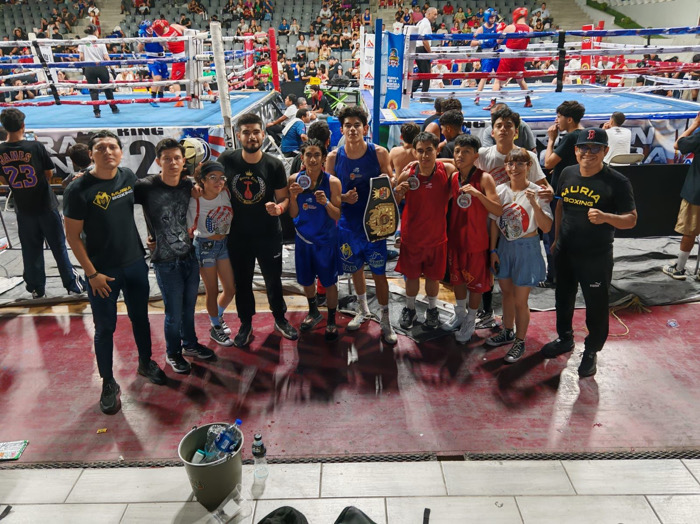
(281, 210)
(90, 277)
(494, 251)
(326, 204)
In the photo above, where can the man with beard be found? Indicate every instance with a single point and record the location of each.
(259, 195)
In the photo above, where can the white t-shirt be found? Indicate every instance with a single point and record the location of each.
(291, 112)
(214, 217)
(518, 219)
(92, 52)
(397, 26)
(619, 142)
(424, 28)
(493, 162)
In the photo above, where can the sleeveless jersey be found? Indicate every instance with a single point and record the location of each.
(519, 43)
(424, 217)
(355, 174)
(151, 48)
(313, 224)
(468, 229)
(175, 47)
(490, 43)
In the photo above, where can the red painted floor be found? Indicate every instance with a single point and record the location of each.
(312, 399)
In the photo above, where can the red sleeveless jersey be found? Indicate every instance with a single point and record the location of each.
(175, 47)
(424, 217)
(519, 43)
(468, 228)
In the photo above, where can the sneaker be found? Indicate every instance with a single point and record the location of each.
(38, 294)
(151, 371)
(311, 321)
(224, 325)
(287, 330)
(466, 331)
(674, 273)
(455, 321)
(557, 347)
(109, 399)
(588, 366)
(218, 335)
(528, 102)
(199, 351)
(154, 104)
(546, 284)
(490, 106)
(77, 287)
(504, 336)
(485, 320)
(243, 337)
(432, 319)
(516, 351)
(98, 114)
(388, 332)
(179, 364)
(115, 109)
(360, 318)
(408, 317)
(477, 99)
(392, 254)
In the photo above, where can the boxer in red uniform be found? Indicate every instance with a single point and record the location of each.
(426, 186)
(514, 65)
(164, 29)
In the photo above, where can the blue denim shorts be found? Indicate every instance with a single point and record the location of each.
(209, 251)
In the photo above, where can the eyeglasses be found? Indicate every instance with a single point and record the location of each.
(593, 150)
(519, 165)
(216, 178)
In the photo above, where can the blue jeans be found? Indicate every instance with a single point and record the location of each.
(178, 280)
(133, 281)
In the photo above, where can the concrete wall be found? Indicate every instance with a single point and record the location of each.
(674, 13)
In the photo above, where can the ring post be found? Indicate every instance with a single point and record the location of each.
(249, 60)
(561, 46)
(378, 34)
(272, 43)
(194, 67)
(217, 47)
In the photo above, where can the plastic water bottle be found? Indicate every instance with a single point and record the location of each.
(259, 461)
(227, 441)
(210, 446)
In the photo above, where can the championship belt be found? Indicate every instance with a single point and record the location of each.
(381, 213)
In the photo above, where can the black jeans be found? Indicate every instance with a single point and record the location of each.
(423, 67)
(133, 280)
(92, 75)
(594, 272)
(244, 250)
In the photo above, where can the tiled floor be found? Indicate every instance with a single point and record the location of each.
(524, 492)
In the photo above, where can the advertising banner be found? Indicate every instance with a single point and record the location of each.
(394, 71)
(367, 63)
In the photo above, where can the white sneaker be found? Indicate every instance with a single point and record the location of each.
(360, 318)
(387, 331)
(455, 321)
(466, 331)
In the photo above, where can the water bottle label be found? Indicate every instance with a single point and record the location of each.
(223, 442)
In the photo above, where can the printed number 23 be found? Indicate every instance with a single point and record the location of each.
(12, 172)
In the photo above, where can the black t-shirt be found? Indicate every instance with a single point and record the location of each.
(311, 71)
(106, 208)
(321, 104)
(252, 186)
(608, 190)
(290, 72)
(165, 209)
(23, 164)
(448, 151)
(691, 186)
(333, 70)
(566, 151)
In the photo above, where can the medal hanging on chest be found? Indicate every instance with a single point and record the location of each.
(464, 200)
(304, 181)
(413, 182)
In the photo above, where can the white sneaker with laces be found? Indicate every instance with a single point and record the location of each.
(387, 331)
(360, 318)
(466, 331)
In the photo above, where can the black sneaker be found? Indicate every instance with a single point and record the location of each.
(504, 336)
(224, 325)
(516, 351)
(557, 347)
(588, 366)
(151, 370)
(115, 109)
(408, 317)
(218, 335)
(432, 319)
(485, 320)
(287, 330)
(243, 337)
(98, 114)
(179, 364)
(77, 287)
(109, 399)
(38, 293)
(198, 351)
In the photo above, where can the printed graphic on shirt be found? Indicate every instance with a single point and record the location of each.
(579, 195)
(248, 188)
(309, 203)
(218, 220)
(103, 199)
(499, 175)
(514, 221)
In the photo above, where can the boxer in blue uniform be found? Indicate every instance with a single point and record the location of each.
(315, 207)
(158, 70)
(488, 65)
(355, 164)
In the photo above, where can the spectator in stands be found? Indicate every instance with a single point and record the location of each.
(312, 44)
(301, 47)
(185, 21)
(294, 133)
(319, 103)
(448, 9)
(294, 27)
(283, 28)
(325, 12)
(274, 128)
(324, 53)
(268, 10)
(367, 18)
(688, 222)
(333, 66)
(619, 138)
(544, 15)
(310, 72)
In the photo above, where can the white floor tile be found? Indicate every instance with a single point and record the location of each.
(453, 510)
(176, 512)
(132, 485)
(41, 486)
(287, 481)
(630, 477)
(694, 467)
(586, 510)
(325, 511)
(66, 513)
(507, 478)
(677, 509)
(382, 479)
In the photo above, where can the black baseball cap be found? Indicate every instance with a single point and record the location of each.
(592, 135)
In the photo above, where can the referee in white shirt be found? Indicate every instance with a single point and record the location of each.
(425, 27)
(92, 52)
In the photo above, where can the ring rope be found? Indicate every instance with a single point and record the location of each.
(98, 102)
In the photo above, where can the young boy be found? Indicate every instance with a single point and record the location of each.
(474, 196)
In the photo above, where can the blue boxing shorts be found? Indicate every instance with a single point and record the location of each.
(159, 69)
(489, 65)
(313, 261)
(356, 251)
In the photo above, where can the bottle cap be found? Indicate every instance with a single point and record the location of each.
(257, 436)
(238, 422)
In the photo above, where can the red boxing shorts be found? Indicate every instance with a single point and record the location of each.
(426, 261)
(511, 64)
(178, 71)
(471, 269)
